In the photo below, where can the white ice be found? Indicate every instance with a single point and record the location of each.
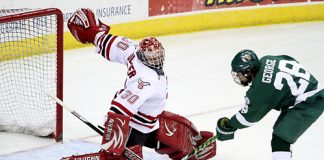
(200, 88)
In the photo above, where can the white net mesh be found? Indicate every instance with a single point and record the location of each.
(28, 67)
(6, 12)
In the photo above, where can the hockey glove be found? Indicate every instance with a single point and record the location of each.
(223, 131)
(84, 26)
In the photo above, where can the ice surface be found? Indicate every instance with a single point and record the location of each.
(200, 87)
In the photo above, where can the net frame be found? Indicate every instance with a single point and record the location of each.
(28, 14)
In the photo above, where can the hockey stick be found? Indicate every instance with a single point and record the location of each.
(200, 147)
(129, 154)
(101, 127)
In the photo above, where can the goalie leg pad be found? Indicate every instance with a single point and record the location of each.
(176, 132)
(210, 150)
(92, 156)
(103, 155)
(206, 153)
(137, 149)
(116, 133)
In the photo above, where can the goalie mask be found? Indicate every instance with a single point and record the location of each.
(151, 52)
(244, 67)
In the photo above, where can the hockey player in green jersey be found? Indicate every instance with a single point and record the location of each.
(280, 83)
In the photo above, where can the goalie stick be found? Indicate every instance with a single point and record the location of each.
(101, 127)
(200, 147)
(129, 154)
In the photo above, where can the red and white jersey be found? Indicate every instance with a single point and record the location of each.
(145, 92)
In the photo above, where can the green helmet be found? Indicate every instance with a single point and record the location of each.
(244, 67)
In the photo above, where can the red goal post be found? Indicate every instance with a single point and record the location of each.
(31, 64)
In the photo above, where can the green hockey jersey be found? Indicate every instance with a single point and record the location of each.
(280, 83)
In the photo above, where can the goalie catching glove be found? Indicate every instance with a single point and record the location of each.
(223, 130)
(84, 26)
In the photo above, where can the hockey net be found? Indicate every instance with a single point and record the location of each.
(31, 64)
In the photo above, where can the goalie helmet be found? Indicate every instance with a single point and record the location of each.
(244, 67)
(151, 52)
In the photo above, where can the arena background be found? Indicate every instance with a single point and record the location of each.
(140, 18)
